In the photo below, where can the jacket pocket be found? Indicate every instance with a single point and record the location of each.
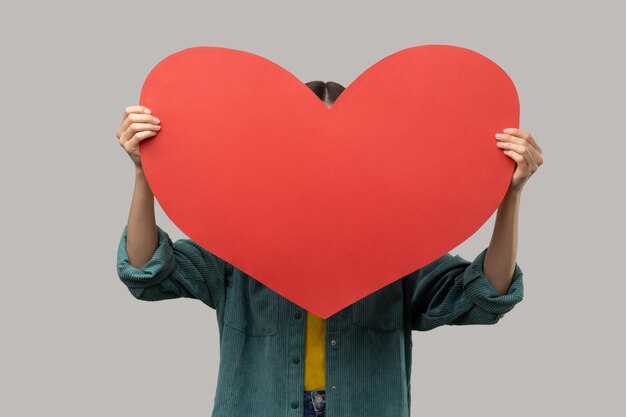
(251, 307)
(381, 310)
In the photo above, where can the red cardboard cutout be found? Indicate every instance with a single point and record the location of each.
(325, 206)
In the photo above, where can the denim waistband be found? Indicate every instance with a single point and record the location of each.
(314, 403)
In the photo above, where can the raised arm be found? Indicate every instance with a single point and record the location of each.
(455, 291)
(148, 262)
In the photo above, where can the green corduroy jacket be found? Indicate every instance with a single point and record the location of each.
(368, 344)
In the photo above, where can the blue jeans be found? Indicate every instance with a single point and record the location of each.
(314, 403)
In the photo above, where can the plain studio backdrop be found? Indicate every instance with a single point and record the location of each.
(75, 342)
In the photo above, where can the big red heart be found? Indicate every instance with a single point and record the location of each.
(325, 206)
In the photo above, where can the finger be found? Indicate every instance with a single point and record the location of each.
(533, 142)
(138, 137)
(135, 128)
(525, 151)
(521, 161)
(503, 137)
(524, 135)
(138, 118)
(135, 109)
(516, 132)
(132, 118)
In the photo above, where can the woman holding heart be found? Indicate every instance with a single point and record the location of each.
(356, 362)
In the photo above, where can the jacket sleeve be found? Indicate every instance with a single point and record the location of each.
(455, 291)
(176, 269)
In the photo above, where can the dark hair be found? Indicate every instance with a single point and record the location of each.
(327, 91)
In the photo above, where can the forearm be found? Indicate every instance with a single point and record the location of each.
(499, 262)
(142, 236)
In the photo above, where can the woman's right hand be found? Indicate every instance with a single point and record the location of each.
(137, 124)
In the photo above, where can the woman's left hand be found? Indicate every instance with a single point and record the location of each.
(524, 150)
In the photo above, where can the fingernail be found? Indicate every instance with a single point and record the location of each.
(146, 110)
(508, 130)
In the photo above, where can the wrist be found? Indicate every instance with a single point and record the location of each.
(512, 194)
(515, 191)
(141, 184)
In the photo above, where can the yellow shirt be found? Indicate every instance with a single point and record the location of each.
(314, 353)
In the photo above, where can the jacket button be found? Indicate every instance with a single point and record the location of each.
(295, 359)
(333, 342)
(298, 314)
(294, 404)
(333, 387)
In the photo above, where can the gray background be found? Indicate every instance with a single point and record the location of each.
(74, 341)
